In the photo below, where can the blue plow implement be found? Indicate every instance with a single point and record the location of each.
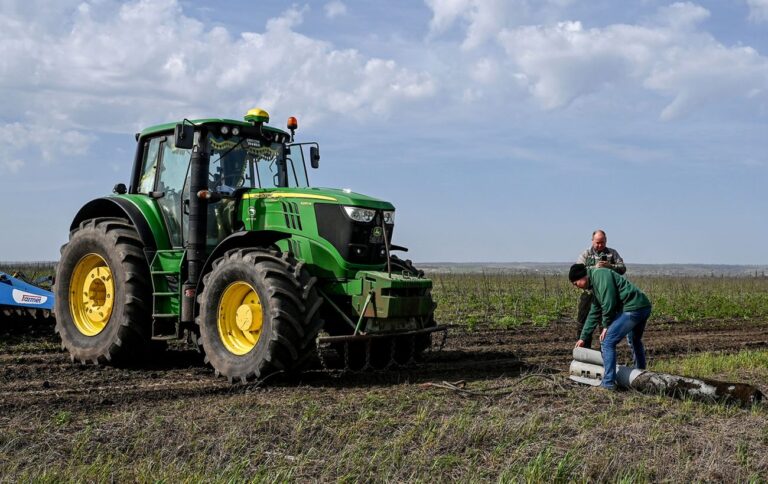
(20, 298)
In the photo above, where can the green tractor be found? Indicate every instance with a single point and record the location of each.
(219, 240)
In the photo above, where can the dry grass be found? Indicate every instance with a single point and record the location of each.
(541, 429)
(365, 429)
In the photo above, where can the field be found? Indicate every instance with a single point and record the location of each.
(515, 417)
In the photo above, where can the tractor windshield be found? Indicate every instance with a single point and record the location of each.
(239, 162)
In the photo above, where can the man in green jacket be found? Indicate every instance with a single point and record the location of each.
(620, 307)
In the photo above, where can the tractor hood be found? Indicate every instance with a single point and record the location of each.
(329, 195)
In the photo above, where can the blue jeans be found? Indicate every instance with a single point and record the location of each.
(632, 325)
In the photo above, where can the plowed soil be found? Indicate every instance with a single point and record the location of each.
(33, 371)
(172, 419)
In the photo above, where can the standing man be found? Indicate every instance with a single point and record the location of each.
(625, 311)
(598, 255)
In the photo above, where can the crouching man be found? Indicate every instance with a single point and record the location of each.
(625, 310)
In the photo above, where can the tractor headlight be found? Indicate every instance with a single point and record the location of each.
(389, 217)
(360, 214)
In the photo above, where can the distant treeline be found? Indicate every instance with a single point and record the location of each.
(41, 268)
(29, 269)
(561, 268)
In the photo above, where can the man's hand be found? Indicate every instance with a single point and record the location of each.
(580, 343)
(604, 263)
(602, 335)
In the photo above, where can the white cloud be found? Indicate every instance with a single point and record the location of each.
(758, 10)
(668, 55)
(106, 65)
(38, 142)
(335, 9)
(682, 15)
(696, 76)
(485, 71)
(566, 61)
(119, 66)
(11, 166)
(482, 17)
(446, 12)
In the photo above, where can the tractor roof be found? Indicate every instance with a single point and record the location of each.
(169, 126)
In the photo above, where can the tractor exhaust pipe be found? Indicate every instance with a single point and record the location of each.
(198, 223)
(587, 368)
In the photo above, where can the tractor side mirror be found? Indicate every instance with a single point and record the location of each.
(314, 156)
(184, 136)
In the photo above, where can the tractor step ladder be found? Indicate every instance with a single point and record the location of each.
(165, 268)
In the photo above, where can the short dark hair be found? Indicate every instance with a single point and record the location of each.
(601, 231)
(576, 272)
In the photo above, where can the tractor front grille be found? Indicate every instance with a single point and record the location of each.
(357, 242)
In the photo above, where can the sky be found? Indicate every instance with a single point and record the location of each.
(502, 130)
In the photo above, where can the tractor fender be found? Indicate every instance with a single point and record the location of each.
(122, 208)
(240, 240)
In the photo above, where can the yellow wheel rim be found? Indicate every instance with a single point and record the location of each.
(91, 294)
(239, 318)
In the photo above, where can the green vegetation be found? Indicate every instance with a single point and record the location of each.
(716, 365)
(173, 423)
(510, 300)
(29, 270)
(545, 431)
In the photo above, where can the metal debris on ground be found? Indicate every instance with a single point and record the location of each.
(587, 368)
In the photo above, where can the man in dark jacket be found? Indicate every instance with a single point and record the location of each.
(622, 310)
(597, 255)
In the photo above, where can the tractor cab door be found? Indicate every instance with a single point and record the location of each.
(172, 181)
(164, 178)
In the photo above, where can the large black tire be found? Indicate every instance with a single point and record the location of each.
(107, 318)
(240, 282)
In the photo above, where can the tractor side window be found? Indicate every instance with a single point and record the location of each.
(149, 168)
(275, 170)
(267, 170)
(297, 172)
(174, 167)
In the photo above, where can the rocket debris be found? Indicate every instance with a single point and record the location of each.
(587, 368)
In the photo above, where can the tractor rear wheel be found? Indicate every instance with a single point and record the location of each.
(258, 314)
(103, 293)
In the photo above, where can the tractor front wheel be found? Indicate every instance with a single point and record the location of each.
(103, 293)
(258, 314)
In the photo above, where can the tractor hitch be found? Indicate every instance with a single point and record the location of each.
(365, 337)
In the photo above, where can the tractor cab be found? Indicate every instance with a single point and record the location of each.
(243, 156)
